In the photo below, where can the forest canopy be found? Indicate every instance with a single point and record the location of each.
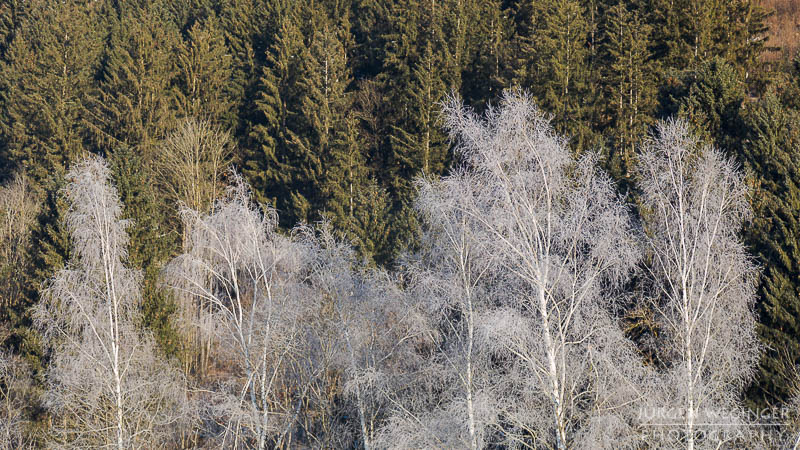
(398, 224)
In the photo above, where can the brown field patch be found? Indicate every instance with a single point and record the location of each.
(784, 28)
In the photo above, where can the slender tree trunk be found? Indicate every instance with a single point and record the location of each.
(555, 391)
(690, 412)
(113, 322)
(359, 400)
(473, 439)
(365, 434)
(118, 392)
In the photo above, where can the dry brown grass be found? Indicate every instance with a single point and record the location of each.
(784, 28)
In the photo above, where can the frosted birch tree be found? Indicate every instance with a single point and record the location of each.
(14, 385)
(374, 330)
(298, 321)
(253, 279)
(106, 387)
(450, 280)
(694, 205)
(564, 243)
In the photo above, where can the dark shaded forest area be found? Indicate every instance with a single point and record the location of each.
(318, 131)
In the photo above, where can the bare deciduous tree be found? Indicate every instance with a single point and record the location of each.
(15, 389)
(501, 331)
(192, 163)
(450, 282)
(371, 327)
(251, 276)
(105, 384)
(694, 205)
(18, 209)
(563, 243)
(298, 322)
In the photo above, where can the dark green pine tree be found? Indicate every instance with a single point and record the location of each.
(696, 43)
(489, 69)
(340, 185)
(527, 16)
(711, 99)
(371, 24)
(629, 82)
(458, 22)
(312, 160)
(204, 67)
(249, 30)
(269, 163)
(393, 81)
(418, 144)
(135, 108)
(153, 240)
(50, 238)
(13, 14)
(688, 33)
(369, 221)
(321, 112)
(354, 202)
(742, 36)
(771, 153)
(420, 69)
(188, 12)
(49, 251)
(136, 102)
(49, 68)
(790, 92)
(557, 67)
(683, 31)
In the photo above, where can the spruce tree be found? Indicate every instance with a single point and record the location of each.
(248, 31)
(711, 100)
(187, 13)
(697, 38)
(418, 145)
(489, 69)
(557, 69)
(527, 17)
(353, 201)
(688, 33)
(790, 92)
(153, 240)
(49, 70)
(13, 15)
(204, 73)
(564, 57)
(135, 104)
(371, 24)
(742, 36)
(49, 66)
(321, 112)
(49, 250)
(311, 160)
(135, 107)
(683, 31)
(629, 80)
(331, 131)
(269, 164)
(420, 70)
(770, 152)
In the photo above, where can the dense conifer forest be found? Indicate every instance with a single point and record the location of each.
(399, 224)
